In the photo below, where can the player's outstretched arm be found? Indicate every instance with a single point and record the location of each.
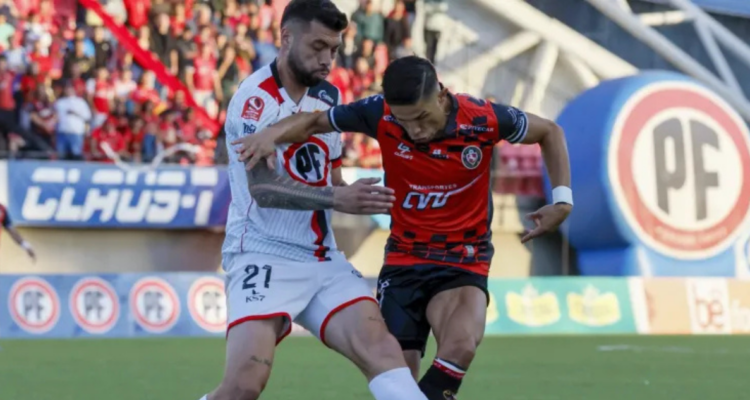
(294, 129)
(271, 190)
(551, 140)
(16, 236)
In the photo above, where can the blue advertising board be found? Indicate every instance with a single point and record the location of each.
(78, 194)
(113, 305)
(661, 175)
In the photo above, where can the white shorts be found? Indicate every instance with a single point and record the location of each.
(260, 286)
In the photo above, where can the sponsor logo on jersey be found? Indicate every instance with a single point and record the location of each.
(94, 305)
(323, 95)
(34, 305)
(471, 157)
(476, 128)
(253, 108)
(403, 151)
(248, 129)
(154, 304)
(96, 195)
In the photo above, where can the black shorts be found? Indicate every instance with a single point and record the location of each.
(405, 291)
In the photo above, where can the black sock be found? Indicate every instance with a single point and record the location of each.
(442, 380)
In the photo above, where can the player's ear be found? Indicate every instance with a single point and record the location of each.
(442, 95)
(286, 36)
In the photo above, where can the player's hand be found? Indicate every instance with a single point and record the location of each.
(363, 197)
(547, 219)
(31, 254)
(253, 148)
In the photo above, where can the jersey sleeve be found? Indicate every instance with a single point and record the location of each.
(251, 110)
(337, 150)
(361, 116)
(5, 218)
(512, 123)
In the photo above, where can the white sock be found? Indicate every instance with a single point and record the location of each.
(396, 384)
(204, 397)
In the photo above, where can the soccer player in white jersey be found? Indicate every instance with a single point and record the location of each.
(280, 256)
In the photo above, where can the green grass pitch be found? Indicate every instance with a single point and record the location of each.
(507, 368)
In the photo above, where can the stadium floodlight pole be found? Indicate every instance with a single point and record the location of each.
(524, 16)
(664, 47)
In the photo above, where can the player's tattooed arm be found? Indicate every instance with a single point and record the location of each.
(272, 190)
(297, 128)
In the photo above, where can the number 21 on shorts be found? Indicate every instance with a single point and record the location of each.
(252, 271)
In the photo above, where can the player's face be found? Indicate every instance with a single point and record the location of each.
(425, 120)
(312, 51)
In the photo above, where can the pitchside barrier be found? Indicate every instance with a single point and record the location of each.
(193, 304)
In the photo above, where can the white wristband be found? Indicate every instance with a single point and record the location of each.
(562, 194)
(26, 245)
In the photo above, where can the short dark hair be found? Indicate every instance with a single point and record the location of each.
(408, 80)
(323, 11)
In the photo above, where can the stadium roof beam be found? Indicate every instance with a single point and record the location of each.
(664, 47)
(664, 18)
(541, 69)
(524, 16)
(586, 77)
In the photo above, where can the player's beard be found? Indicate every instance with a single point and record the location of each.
(303, 77)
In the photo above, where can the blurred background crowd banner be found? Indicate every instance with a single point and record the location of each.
(112, 156)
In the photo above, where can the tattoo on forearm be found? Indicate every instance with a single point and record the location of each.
(271, 190)
(263, 361)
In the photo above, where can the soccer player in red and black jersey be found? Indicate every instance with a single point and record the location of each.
(7, 224)
(437, 149)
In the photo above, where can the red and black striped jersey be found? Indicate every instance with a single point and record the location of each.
(443, 204)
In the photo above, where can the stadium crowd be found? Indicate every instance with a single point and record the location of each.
(69, 90)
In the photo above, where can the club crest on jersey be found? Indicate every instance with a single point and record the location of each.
(253, 108)
(471, 157)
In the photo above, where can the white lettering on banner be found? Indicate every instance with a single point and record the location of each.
(139, 203)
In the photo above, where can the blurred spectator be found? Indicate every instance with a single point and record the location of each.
(436, 18)
(77, 57)
(163, 44)
(397, 29)
(102, 49)
(108, 140)
(369, 22)
(101, 94)
(7, 31)
(349, 47)
(8, 123)
(73, 115)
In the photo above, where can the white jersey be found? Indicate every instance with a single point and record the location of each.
(301, 236)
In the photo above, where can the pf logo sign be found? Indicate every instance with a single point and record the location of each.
(207, 304)
(34, 305)
(154, 304)
(94, 305)
(679, 165)
(308, 162)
